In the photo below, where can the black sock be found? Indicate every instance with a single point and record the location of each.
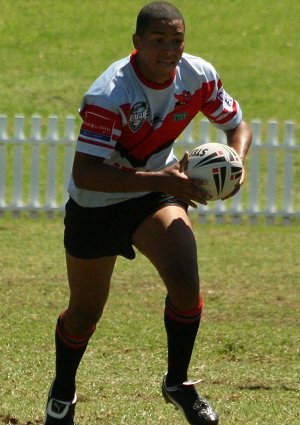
(69, 352)
(182, 328)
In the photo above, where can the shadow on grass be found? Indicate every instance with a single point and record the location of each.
(10, 420)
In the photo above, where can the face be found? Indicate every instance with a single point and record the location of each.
(159, 50)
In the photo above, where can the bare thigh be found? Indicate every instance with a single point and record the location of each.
(167, 240)
(89, 282)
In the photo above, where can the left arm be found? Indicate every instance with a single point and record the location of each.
(240, 139)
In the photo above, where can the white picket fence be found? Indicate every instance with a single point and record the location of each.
(35, 169)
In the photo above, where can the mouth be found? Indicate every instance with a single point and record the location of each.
(167, 63)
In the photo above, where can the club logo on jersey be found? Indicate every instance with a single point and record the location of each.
(182, 98)
(138, 114)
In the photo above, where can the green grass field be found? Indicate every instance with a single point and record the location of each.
(247, 354)
(51, 51)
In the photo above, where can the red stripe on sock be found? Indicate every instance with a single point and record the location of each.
(72, 341)
(194, 311)
(190, 316)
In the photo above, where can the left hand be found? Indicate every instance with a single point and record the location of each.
(237, 187)
(239, 139)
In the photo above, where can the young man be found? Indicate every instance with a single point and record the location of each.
(128, 190)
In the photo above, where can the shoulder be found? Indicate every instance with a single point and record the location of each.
(113, 77)
(198, 66)
(111, 87)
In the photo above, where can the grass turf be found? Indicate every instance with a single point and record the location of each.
(247, 353)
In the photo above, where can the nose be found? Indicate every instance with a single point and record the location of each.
(168, 47)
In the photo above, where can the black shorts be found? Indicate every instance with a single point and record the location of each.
(107, 231)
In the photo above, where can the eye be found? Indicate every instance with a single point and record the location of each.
(158, 41)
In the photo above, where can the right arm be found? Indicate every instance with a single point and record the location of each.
(90, 173)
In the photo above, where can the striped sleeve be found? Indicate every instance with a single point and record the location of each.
(221, 109)
(99, 131)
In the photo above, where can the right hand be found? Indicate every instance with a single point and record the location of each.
(177, 183)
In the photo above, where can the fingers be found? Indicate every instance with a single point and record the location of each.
(189, 190)
(200, 195)
(235, 191)
(192, 204)
(193, 195)
(237, 188)
(242, 179)
(183, 162)
(199, 183)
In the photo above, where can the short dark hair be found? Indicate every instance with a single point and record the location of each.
(157, 10)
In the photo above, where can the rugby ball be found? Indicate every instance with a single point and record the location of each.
(219, 164)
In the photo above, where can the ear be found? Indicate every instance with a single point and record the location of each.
(136, 40)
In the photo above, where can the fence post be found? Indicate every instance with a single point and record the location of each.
(51, 176)
(262, 197)
(19, 138)
(254, 172)
(188, 134)
(3, 139)
(70, 138)
(237, 206)
(35, 163)
(289, 143)
(272, 142)
(204, 132)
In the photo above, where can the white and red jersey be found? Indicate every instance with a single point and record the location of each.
(132, 123)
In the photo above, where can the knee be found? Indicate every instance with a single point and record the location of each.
(185, 301)
(80, 321)
(184, 292)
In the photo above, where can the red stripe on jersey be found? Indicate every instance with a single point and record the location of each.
(227, 117)
(170, 129)
(145, 141)
(211, 107)
(93, 142)
(138, 144)
(206, 92)
(97, 110)
(98, 127)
